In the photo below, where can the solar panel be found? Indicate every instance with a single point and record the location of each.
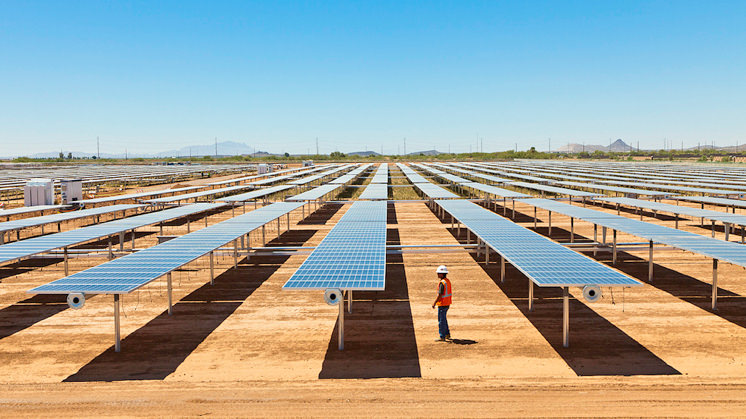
(352, 175)
(259, 193)
(713, 200)
(543, 261)
(65, 216)
(130, 272)
(32, 246)
(717, 249)
(26, 210)
(352, 256)
(382, 174)
(459, 168)
(375, 191)
(630, 191)
(493, 190)
(679, 209)
(553, 189)
(427, 188)
(136, 195)
(309, 179)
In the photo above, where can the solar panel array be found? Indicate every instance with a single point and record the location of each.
(29, 247)
(494, 190)
(26, 210)
(195, 195)
(130, 272)
(137, 195)
(352, 175)
(679, 209)
(713, 200)
(427, 188)
(717, 249)
(459, 168)
(382, 174)
(554, 189)
(259, 193)
(352, 256)
(546, 263)
(315, 193)
(447, 176)
(309, 179)
(64, 216)
(375, 191)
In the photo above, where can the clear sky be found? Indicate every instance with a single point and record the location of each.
(152, 76)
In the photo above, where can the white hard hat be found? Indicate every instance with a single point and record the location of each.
(442, 269)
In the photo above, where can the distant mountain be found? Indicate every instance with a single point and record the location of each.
(363, 153)
(225, 148)
(426, 153)
(616, 146)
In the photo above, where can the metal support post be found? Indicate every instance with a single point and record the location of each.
(160, 225)
(713, 228)
(726, 226)
(595, 239)
(502, 269)
(66, 270)
(117, 337)
(133, 239)
(550, 223)
(676, 222)
(603, 235)
(513, 200)
(264, 236)
(278, 227)
(235, 253)
(111, 253)
(530, 295)
(714, 284)
(534, 218)
(572, 230)
(650, 262)
(170, 291)
(613, 246)
(349, 301)
(565, 317)
(341, 324)
(212, 270)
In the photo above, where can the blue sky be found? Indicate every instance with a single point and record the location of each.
(151, 76)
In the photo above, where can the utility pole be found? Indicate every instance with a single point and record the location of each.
(126, 156)
(516, 147)
(481, 144)
(216, 147)
(98, 149)
(317, 146)
(405, 146)
(550, 145)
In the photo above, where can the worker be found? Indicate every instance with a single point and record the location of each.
(443, 301)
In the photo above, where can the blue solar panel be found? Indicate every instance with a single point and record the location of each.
(545, 262)
(248, 196)
(375, 191)
(713, 200)
(382, 174)
(493, 190)
(352, 256)
(32, 246)
(679, 209)
(119, 277)
(65, 216)
(717, 249)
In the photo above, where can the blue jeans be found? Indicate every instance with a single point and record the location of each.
(443, 321)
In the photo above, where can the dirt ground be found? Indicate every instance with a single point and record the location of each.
(244, 347)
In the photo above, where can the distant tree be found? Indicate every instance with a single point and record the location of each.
(93, 157)
(287, 154)
(70, 155)
(532, 150)
(337, 155)
(62, 156)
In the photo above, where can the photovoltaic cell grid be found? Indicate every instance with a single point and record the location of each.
(36, 245)
(620, 189)
(470, 172)
(352, 256)
(382, 174)
(130, 272)
(136, 195)
(26, 210)
(259, 193)
(309, 179)
(717, 249)
(554, 189)
(493, 190)
(352, 175)
(65, 216)
(296, 170)
(427, 188)
(713, 200)
(200, 194)
(315, 193)
(546, 263)
(375, 191)
(678, 209)
(447, 176)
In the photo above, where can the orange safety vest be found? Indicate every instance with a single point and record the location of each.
(445, 298)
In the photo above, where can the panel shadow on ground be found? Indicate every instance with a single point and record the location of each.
(379, 333)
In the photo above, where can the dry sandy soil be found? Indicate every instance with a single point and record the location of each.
(243, 347)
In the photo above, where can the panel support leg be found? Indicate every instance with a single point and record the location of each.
(565, 317)
(650, 262)
(595, 239)
(530, 295)
(117, 336)
(349, 301)
(714, 284)
(170, 292)
(212, 269)
(572, 230)
(534, 218)
(550, 224)
(341, 324)
(502, 269)
(66, 264)
(235, 253)
(121, 241)
(613, 247)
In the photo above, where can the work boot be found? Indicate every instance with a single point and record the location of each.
(440, 340)
(448, 337)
